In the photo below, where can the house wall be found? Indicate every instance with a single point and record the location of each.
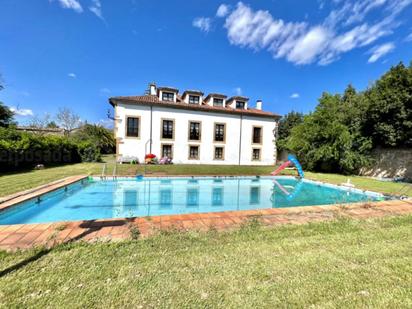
(138, 147)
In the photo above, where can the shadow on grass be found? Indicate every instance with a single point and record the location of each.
(90, 226)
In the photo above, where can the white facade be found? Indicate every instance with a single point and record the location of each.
(237, 145)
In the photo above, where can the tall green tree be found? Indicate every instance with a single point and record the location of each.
(6, 115)
(323, 142)
(388, 119)
(286, 124)
(99, 136)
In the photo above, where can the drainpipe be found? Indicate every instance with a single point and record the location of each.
(240, 136)
(151, 112)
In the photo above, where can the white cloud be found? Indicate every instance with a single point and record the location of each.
(409, 38)
(107, 123)
(238, 91)
(72, 75)
(295, 95)
(301, 42)
(96, 8)
(380, 51)
(24, 112)
(222, 10)
(105, 90)
(202, 23)
(71, 4)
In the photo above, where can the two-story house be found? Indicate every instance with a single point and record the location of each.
(194, 129)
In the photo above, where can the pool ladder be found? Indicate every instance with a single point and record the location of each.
(114, 171)
(103, 176)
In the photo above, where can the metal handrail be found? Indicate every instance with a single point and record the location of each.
(145, 153)
(103, 171)
(114, 170)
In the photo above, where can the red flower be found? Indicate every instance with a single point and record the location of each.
(150, 156)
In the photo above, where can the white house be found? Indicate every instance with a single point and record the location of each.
(193, 129)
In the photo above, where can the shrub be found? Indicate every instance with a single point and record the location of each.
(19, 150)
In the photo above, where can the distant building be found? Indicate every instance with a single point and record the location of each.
(193, 129)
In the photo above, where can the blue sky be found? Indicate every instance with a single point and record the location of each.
(77, 53)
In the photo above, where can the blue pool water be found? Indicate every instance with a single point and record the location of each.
(163, 196)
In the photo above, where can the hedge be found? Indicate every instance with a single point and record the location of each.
(22, 150)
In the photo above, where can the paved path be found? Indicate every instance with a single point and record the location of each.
(22, 236)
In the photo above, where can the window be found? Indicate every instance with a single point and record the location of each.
(194, 131)
(194, 99)
(166, 198)
(254, 195)
(217, 102)
(219, 154)
(167, 129)
(192, 197)
(194, 152)
(256, 154)
(132, 127)
(257, 135)
(219, 132)
(168, 96)
(130, 198)
(240, 104)
(167, 151)
(217, 196)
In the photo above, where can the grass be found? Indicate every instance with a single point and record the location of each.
(342, 263)
(15, 182)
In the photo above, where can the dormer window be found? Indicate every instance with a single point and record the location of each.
(168, 96)
(218, 102)
(194, 99)
(240, 105)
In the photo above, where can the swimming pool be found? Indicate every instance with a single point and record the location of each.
(132, 197)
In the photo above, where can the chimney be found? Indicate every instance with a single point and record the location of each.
(152, 88)
(259, 104)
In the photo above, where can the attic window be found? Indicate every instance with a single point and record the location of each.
(240, 105)
(168, 96)
(194, 99)
(217, 102)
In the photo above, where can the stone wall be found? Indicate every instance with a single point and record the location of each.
(390, 163)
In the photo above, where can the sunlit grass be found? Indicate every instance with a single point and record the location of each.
(344, 264)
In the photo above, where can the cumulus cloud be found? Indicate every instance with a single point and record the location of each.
(71, 4)
(203, 23)
(380, 51)
(72, 75)
(24, 112)
(222, 10)
(295, 95)
(96, 8)
(300, 42)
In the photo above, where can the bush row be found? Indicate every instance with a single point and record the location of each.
(20, 150)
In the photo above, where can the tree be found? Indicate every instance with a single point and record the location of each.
(286, 124)
(39, 122)
(6, 115)
(97, 135)
(323, 142)
(68, 120)
(388, 119)
(52, 125)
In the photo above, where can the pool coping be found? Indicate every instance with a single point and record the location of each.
(11, 200)
(25, 236)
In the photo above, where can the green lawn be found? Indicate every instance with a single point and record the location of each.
(15, 182)
(343, 263)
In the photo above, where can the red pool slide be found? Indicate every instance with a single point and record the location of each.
(280, 168)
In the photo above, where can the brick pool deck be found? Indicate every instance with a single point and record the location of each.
(24, 236)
